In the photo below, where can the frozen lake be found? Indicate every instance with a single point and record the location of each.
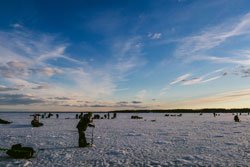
(190, 140)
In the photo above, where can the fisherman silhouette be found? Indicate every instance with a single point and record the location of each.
(82, 126)
(236, 118)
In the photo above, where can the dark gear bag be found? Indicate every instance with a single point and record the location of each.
(17, 151)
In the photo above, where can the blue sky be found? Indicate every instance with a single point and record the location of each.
(114, 55)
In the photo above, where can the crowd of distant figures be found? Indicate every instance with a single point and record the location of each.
(98, 116)
(48, 115)
(173, 115)
(109, 115)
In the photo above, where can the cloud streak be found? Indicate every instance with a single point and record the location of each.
(155, 36)
(180, 79)
(187, 79)
(19, 99)
(127, 55)
(5, 88)
(194, 48)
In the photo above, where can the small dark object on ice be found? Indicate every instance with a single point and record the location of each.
(49, 115)
(114, 116)
(35, 122)
(136, 117)
(97, 116)
(17, 151)
(4, 121)
(236, 118)
(179, 115)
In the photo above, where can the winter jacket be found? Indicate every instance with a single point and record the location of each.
(83, 123)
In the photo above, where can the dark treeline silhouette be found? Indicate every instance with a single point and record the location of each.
(205, 110)
(200, 111)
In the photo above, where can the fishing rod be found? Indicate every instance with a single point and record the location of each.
(92, 138)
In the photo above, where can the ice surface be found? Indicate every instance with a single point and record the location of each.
(190, 140)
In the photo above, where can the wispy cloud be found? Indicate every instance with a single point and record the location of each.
(180, 79)
(199, 80)
(136, 102)
(19, 69)
(62, 98)
(164, 90)
(186, 79)
(127, 55)
(52, 54)
(190, 79)
(241, 60)
(33, 48)
(93, 83)
(5, 88)
(21, 83)
(26, 62)
(48, 71)
(155, 35)
(17, 99)
(17, 25)
(14, 68)
(33, 59)
(142, 94)
(41, 87)
(195, 47)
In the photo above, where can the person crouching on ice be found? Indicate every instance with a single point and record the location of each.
(236, 118)
(82, 126)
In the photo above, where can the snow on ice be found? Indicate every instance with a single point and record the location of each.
(190, 140)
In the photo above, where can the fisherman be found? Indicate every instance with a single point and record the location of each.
(114, 116)
(84, 122)
(236, 118)
(35, 122)
(80, 115)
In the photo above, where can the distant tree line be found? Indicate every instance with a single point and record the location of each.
(205, 110)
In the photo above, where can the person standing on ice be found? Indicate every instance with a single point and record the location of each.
(236, 118)
(82, 126)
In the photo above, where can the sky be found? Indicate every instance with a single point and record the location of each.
(94, 55)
